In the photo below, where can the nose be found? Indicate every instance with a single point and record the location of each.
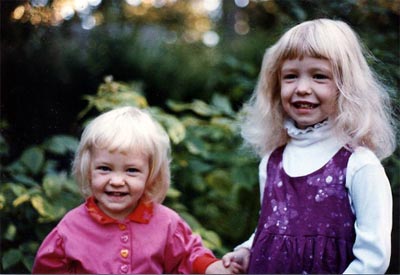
(303, 86)
(117, 180)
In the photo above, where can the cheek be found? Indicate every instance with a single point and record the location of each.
(333, 101)
(284, 99)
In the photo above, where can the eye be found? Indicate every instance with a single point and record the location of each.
(103, 168)
(289, 76)
(320, 76)
(132, 170)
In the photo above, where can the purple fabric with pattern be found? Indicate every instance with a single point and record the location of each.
(306, 223)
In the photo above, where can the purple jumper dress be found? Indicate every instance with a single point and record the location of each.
(306, 223)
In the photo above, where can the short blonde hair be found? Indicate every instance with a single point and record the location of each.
(363, 116)
(126, 129)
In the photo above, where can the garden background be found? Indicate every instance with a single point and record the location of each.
(192, 63)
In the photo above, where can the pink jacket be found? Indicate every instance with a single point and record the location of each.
(153, 239)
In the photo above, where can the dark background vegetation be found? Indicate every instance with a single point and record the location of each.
(157, 60)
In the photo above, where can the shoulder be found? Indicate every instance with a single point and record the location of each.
(264, 160)
(75, 219)
(169, 221)
(165, 215)
(364, 169)
(362, 157)
(77, 212)
(160, 209)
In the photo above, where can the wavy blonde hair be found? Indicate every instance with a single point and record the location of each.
(363, 115)
(127, 130)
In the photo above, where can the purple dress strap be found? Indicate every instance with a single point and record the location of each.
(306, 223)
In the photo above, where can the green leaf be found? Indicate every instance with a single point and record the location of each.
(52, 186)
(2, 201)
(210, 239)
(16, 188)
(175, 128)
(21, 199)
(61, 144)
(47, 211)
(28, 249)
(33, 159)
(10, 258)
(3, 146)
(10, 232)
(28, 181)
(196, 146)
(173, 193)
(201, 108)
(197, 106)
(222, 104)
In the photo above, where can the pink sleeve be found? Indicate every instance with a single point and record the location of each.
(50, 257)
(186, 253)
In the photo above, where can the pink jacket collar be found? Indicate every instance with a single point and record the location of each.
(142, 213)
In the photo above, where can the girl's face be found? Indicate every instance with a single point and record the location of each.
(118, 181)
(308, 90)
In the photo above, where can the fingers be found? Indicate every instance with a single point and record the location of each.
(227, 259)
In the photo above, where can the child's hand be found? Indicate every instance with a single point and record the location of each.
(237, 261)
(219, 268)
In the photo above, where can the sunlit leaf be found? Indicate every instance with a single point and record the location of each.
(52, 186)
(10, 232)
(33, 159)
(173, 193)
(38, 204)
(197, 106)
(2, 201)
(175, 128)
(226, 124)
(201, 108)
(21, 199)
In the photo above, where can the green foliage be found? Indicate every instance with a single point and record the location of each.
(36, 191)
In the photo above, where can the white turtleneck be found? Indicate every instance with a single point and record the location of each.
(368, 186)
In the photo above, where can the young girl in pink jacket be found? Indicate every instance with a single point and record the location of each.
(122, 167)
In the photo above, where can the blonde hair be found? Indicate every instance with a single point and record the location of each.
(364, 115)
(127, 130)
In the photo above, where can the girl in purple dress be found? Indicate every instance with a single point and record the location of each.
(320, 120)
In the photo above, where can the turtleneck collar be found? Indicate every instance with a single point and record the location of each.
(320, 132)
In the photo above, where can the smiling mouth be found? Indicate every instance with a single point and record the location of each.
(116, 194)
(305, 105)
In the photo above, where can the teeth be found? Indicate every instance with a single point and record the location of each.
(116, 194)
(304, 105)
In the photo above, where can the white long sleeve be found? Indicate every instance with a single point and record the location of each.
(371, 199)
(369, 193)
